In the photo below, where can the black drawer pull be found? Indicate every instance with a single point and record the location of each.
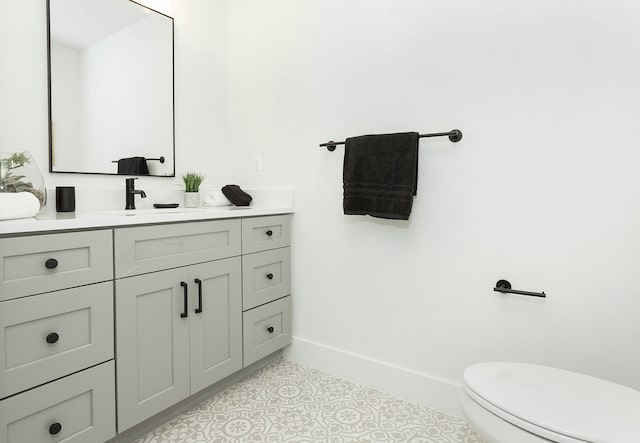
(52, 338)
(186, 312)
(269, 233)
(199, 283)
(52, 263)
(270, 276)
(55, 428)
(270, 329)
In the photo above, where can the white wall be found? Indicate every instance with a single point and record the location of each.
(23, 78)
(544, 190)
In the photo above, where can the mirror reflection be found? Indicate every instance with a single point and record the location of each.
(111, 88)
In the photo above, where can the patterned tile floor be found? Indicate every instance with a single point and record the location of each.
(287, 402)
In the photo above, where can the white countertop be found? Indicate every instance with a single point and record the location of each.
(121, 217)
(89, 215)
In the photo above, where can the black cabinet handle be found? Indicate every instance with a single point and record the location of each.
(55, 428)
(185, 313)
(199, 283)
(52, 263)
(270, 276)
(269, 233)
(270, 329)
(52, 338)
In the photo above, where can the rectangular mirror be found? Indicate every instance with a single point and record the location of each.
(111, 88)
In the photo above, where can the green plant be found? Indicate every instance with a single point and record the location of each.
(192, 181)
(9, 182)
(12, 182)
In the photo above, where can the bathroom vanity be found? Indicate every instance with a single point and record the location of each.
(166, 304)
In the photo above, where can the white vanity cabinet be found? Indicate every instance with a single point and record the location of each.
(57, 378)
(179, 330)
(184, 304)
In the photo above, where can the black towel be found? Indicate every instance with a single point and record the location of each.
(133, 166)
(381, 175)
(236, 195)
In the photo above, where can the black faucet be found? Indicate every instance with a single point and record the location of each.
(130, 193)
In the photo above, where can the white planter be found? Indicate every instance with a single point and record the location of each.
(191, 199)
(22, 190)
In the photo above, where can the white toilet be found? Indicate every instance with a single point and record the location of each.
(524, 403)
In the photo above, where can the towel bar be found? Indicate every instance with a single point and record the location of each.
(161, 160)
(455, 135)
(505, 287)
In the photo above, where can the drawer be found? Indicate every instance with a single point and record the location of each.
(266, 276)
(262, 233)
(144, 249)
(41, 263)
(266, 329)
(81, 408)
(51, 335)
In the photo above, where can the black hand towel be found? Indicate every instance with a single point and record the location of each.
(236, 195)
(133, 166)
(381, 175)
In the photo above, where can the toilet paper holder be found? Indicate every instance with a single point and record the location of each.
(504, 286)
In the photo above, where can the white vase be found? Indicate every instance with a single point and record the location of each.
(191, 199)
(22, 190)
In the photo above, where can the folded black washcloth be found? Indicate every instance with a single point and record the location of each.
(381, 175)
(133, 166)
(236, 195)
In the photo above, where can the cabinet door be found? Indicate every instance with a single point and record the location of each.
(216, 322)
(152, 353)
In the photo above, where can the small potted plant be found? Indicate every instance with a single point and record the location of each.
(192, 182)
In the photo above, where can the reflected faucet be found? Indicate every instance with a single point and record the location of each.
(130, 193)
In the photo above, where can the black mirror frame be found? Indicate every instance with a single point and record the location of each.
(173, 94)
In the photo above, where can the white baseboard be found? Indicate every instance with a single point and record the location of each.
(407, 384)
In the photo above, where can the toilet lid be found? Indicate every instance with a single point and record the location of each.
(563, 402)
